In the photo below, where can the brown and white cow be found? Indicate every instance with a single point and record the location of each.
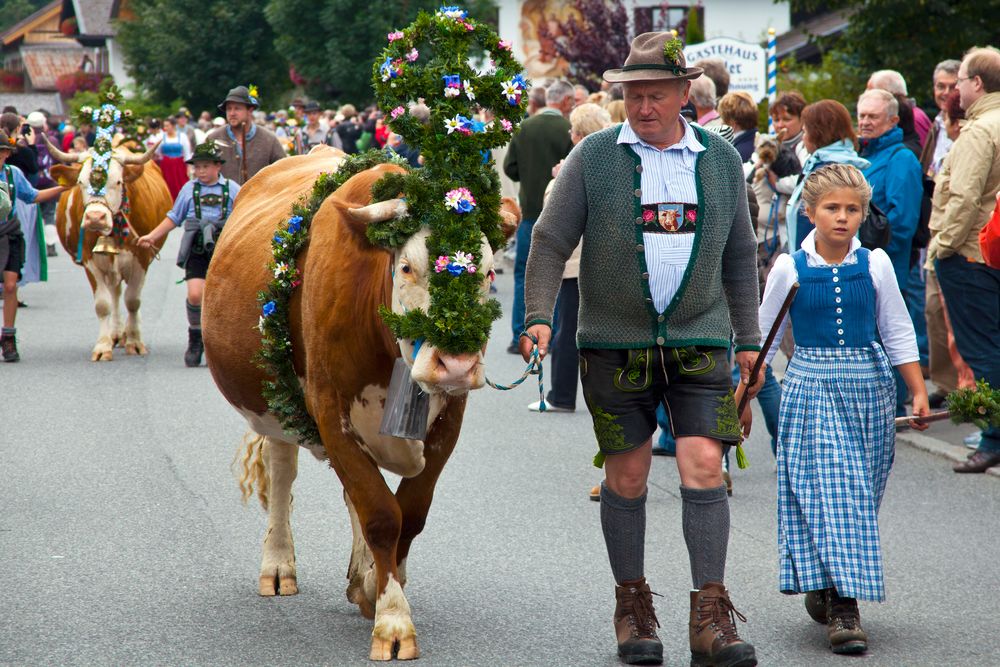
(107, 262)
(344, 357)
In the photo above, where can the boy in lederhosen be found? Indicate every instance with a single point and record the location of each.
(201, 208)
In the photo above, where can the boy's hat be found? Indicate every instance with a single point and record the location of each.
(7, 142)
(207, 152)
(311, 106)
(239, 94)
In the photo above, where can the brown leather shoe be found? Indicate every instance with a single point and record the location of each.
(816, 604)
(843, 629)
(635, 624)
(978, 462)
(712, 630)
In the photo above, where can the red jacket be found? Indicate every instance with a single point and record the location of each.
(989, 239)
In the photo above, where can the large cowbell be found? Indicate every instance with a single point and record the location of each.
(406, 406)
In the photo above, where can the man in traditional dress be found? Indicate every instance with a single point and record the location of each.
(246, 147)
(658, 308)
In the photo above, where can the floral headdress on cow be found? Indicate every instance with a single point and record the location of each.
(109, 118)
(456, 194)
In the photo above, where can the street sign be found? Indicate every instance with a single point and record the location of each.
(746, 61)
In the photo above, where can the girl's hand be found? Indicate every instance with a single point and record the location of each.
(145, 241)
(921, 408)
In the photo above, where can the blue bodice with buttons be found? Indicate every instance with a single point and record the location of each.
(835, 304)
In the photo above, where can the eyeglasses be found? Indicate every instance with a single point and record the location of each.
(960, 79)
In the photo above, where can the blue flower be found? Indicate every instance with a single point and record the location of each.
(453, 80)
(294, 224)
(486, 156)
(269, 308)
(455, 269)
(464, 206)
(277, 238)
(478, 126)
(519, 80)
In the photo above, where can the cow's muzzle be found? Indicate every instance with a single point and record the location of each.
(449, 373)
(97, 219)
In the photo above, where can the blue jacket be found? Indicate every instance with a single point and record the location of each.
(897, 188)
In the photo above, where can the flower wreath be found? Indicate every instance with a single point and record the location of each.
(456, 194)
(107, 119)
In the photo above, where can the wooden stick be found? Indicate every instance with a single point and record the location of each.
(243, 161)
(904, 422)
(767, 346)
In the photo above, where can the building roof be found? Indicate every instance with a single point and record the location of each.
(94, 17)
(799, 40)
(46, 64)
(25, 103)
(29, 23)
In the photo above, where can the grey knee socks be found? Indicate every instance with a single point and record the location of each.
(706, 532)
(194, 315)
(624, 523)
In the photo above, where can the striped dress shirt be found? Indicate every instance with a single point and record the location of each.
(667, 177)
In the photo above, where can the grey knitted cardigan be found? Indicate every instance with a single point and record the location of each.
(597, 196)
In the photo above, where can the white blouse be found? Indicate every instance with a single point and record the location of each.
(892, 317)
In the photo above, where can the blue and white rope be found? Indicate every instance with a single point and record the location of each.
(534, 367)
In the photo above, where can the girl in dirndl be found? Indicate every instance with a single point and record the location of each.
(836, 435)
(173, 153)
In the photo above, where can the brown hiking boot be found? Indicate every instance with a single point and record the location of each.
(8, 346)
(714, 642)
(816, 603)
(635, 624)
(843, 627)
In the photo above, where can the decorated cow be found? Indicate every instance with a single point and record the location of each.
(119, 196)
(336, 272)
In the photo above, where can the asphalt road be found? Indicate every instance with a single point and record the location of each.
(123, 540)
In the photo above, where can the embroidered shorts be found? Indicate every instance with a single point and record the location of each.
(624, 387)
(197, 265)
(12, 253)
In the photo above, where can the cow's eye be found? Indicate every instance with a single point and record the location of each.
(405, 268)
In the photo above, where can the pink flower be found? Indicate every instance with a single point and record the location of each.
(413, 55)
(691, 215)
(440, 264)
(505, 45)
(647, 216)
(393, 36)
(506, 125)
(397, 112)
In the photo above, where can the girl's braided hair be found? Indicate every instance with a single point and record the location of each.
(833, 177)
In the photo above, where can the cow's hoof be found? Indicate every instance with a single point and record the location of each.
(382, 649)
(136, 348)
(356, 594)
(101, 355)
(279, 582)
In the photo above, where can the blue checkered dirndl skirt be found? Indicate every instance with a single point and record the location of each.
(836, 443)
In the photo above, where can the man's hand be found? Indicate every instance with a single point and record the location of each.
(542, 333)
(746, 360)
(746, 417)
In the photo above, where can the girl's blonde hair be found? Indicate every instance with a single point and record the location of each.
(834, 177)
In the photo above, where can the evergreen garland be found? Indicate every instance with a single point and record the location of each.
(456, 195)
(284, 395)
(980, 405)
(429, 60)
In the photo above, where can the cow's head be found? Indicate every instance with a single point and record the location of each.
(101, 203)
(435, 370)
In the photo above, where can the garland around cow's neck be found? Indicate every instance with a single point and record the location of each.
(107, 119)
(456, 195)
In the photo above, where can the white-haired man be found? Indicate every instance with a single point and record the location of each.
(703, 98)
(893, 82)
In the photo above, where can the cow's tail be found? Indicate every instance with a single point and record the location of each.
(252, 472)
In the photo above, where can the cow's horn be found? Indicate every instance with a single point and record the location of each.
(379, 211)
(132, 158)
(62, 156)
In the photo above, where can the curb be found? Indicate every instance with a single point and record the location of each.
(956, 453)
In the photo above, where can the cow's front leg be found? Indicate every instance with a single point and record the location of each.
(135, 280)
(117, 330)
(103, 307)
(380, 520)
(277, 566)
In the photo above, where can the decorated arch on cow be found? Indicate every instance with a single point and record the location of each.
(455, 195)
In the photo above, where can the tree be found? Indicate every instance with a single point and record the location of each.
(593, 43)
(911, 37)
(332, 44)
(12, 11)
(197, 50)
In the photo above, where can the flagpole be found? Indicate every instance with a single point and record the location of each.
(772, 75)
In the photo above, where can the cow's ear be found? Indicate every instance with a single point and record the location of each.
(131, 172)
(65, 174)
(510, 217)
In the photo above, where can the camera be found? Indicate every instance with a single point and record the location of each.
(25, 130)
